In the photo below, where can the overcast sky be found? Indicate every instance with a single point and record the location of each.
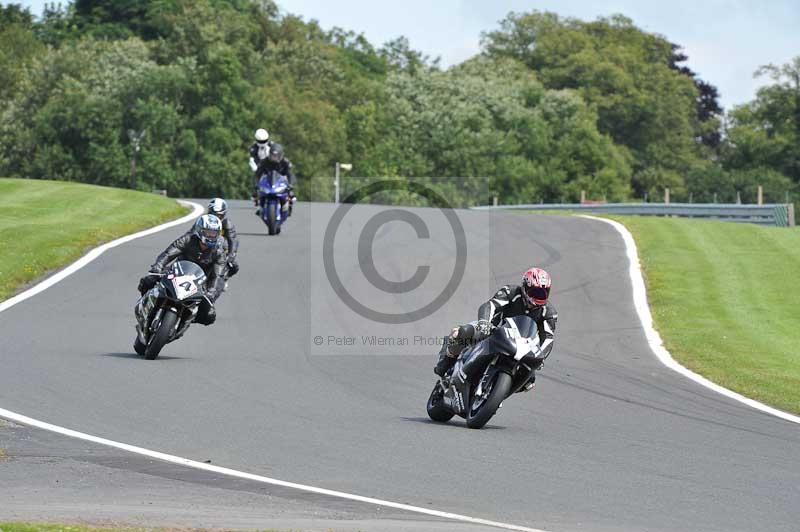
(726, 40)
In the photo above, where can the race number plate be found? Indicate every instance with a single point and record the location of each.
(185, 286)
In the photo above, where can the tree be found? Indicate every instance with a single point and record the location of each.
(492, 119)
(15, 15)
(765, 134)
(18, 48)
(709, 110)
(627, 75)
(400, 56)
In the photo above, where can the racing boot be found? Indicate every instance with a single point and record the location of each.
(444, 364)
(446, 360)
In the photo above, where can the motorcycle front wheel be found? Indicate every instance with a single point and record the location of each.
(272, 218)
(138, 346)
(436, 409)
(161, 336)
(481, 409)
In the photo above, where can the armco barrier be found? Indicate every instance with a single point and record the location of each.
(781, 215)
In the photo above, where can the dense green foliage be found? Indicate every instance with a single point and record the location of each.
(552, 106)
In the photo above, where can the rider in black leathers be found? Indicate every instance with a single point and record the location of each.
(219, 208)
(277, 162)
(210, 257)
(530, 298)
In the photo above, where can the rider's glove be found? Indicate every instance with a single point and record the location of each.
(147, 282)
(483, 328)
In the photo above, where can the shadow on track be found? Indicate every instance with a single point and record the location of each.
(453, 423)
(134, 355)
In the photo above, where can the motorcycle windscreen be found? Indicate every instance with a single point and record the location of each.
(279, 181)
(525, 325)
(188, 279)
(187, 267)
(264, 186)
(272, 183)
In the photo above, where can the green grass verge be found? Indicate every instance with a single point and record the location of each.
(724, 297)
(47, 224)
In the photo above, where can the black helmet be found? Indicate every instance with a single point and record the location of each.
(276, 153)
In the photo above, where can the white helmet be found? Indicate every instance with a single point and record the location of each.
(208, 228)
(218, 207)
(262, 136)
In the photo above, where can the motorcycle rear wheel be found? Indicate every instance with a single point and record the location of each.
(436, 409)
(482, 409)
(161, 336)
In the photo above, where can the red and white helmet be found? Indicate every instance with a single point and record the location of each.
(536, 286)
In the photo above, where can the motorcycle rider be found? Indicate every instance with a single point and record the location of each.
(530, 298)
(204, 246)
(259, 150)
(219, 208)
(277, 162)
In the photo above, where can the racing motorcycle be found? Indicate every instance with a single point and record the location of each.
(165, 312)
(506, 361)
(273, 189)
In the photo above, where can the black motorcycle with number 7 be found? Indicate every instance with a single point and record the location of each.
(165, 312)
(487, 373)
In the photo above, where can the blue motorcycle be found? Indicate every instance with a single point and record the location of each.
(273, 189)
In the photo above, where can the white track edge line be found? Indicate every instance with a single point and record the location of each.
(92, 255)
(257, 478)
(654, 339)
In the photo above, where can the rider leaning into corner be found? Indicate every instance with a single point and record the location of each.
(529, 298)
(204, 246)
(278, 162)
(219, 208)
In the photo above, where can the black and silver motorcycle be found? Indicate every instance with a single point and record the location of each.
(165, 312)
(498, 365)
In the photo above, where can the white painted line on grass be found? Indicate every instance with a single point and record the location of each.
(93, 254)
(654, 339)
(257, 478)
(96, 252)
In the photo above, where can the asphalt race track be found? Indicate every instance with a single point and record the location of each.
(292, 383)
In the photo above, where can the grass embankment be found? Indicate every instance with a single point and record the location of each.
(725, 299)
(47, 224)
